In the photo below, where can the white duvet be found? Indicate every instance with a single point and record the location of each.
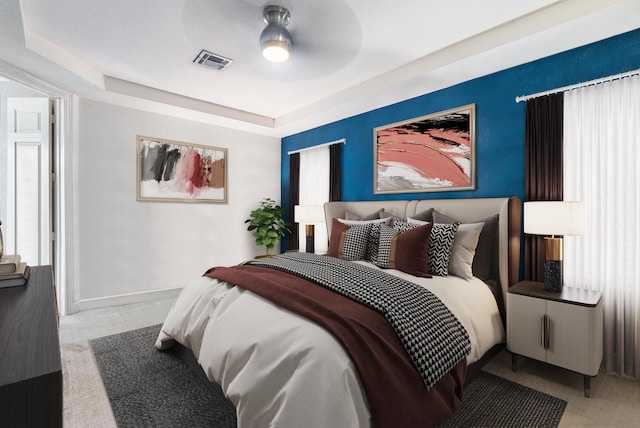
(281, 370)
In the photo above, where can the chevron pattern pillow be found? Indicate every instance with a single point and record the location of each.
(483, 257)
(440, 245)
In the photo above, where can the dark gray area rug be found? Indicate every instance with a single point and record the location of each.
(492, 401)
(151, 388)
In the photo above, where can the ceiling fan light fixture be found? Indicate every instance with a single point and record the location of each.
(275, 51)
(275, 40)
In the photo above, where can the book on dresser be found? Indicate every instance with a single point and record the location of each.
(9, 263)
(17, 278)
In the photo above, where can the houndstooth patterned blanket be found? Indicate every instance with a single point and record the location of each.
(433, 337)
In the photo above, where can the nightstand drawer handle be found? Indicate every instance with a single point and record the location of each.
(545, 334)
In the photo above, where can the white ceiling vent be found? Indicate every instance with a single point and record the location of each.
(211, 60)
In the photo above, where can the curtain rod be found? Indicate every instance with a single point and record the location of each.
(578, 85)
(330, 143)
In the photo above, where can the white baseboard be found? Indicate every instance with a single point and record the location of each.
(124, 299)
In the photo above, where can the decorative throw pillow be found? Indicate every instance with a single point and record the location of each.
(386, 215)
(373, 216)
(404, 225)
(481, 266)
(440, 246)
(405, 251)
(464, 249)
(371, 253)
(348, 242)
(426, 215)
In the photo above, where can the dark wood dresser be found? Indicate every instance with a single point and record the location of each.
(30, 365)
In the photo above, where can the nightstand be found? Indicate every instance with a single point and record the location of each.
(560, 328)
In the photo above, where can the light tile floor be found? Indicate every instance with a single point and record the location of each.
(614, 402)
(85, 399)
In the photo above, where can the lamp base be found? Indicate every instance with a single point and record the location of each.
(553, 275)
(310, 244)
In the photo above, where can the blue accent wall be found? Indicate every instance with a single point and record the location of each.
(500, 121)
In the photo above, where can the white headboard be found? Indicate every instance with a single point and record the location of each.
(509, 210)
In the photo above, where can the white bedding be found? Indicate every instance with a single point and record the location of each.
(280, 369)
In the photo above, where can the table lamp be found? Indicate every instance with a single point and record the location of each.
(553, 218)
(309, 215)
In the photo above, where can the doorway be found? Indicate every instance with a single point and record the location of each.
(28, 217)
(33, 199)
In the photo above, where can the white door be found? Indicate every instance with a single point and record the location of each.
(27, 227)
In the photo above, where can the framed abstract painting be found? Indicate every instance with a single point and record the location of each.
(172, 171)
(432, 153)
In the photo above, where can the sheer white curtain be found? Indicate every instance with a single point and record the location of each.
(314, 189)
(602, 168)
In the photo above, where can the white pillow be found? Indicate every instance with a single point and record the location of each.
(464, 249)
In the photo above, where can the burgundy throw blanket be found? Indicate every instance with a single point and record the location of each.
(395, 392)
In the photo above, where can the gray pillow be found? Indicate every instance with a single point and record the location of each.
(481, 266)
(426, 215)
(373, 216)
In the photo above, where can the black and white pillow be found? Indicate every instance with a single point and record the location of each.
(348, 242)
(371, 254)
(374, 243)
(482, 259)
(440, 246)
(385, 235)
(404, 225)
(356, 239)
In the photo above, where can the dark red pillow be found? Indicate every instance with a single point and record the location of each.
(405, 251)
(337, 229)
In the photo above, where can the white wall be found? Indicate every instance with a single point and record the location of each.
(123, 246)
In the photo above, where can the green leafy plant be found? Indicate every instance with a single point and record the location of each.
(268, 224)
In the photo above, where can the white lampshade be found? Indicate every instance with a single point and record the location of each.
(308, 214)
(554, 218)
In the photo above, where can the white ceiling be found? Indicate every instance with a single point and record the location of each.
(349, 56)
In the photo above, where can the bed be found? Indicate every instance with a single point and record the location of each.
(293, 361)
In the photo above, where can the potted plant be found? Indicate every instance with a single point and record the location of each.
(268, 224)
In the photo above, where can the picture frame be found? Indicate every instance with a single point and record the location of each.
(431, 153)
(174, 171)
